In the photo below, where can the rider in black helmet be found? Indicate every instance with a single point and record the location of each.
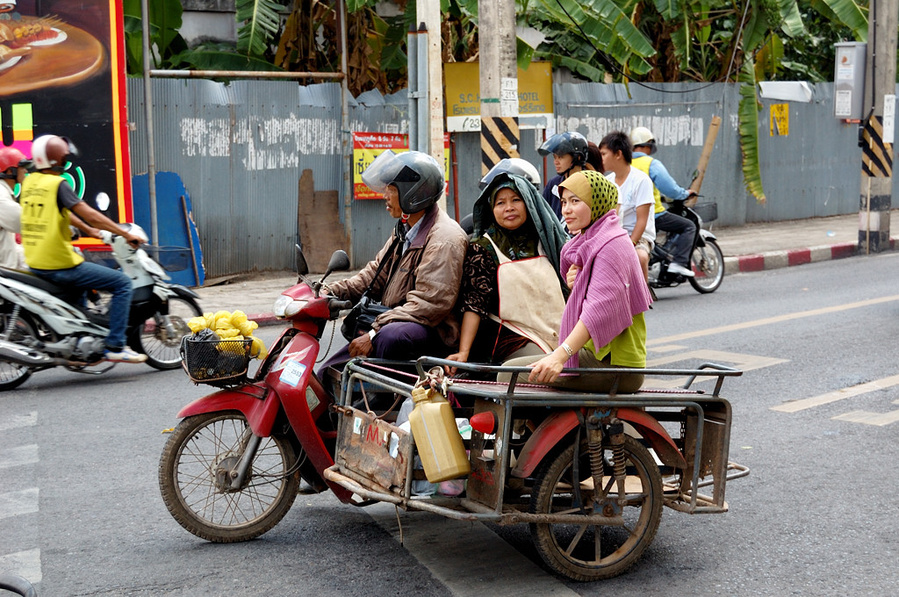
(422, 265)
(571, 153)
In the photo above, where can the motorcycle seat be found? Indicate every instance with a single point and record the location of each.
(27, 277)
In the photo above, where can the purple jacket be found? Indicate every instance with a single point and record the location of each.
(610, 288)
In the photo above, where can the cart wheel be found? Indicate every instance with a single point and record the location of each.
(591, 552)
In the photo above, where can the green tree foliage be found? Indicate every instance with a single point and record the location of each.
(741, 41)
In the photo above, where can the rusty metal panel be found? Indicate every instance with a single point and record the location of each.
(374, 449)
(484, 480)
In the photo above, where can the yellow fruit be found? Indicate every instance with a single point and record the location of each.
(257, 349)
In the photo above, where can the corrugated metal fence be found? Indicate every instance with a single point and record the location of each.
(241, 147)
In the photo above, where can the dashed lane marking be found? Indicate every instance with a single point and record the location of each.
(16, 503)
(468, 558)
(744, 362)
(735, 327)
(26, 564)
(16, 421)
(869, 418)
(19, 456)
(841, 394)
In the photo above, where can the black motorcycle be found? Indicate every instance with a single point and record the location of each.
(706, 258)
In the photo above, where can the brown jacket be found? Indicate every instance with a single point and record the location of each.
(425, 282)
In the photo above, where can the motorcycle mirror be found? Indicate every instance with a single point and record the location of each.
(102, 200)
(339, 261)
(300, 265)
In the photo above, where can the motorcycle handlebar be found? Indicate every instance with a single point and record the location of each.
(336, 305)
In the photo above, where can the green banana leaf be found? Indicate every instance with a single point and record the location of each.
(844, 12)
(749, 131)
(260, 20)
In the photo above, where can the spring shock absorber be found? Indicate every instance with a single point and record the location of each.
(615, 431)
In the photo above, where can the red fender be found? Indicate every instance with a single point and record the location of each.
(556, 426)
(260, 413)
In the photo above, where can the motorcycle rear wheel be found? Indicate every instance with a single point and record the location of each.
(163, 349)
(708, 265)
(195, 463)
(12, 375)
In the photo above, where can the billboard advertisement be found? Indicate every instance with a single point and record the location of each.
(62, 72)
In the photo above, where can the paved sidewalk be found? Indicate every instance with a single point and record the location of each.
(749, 248)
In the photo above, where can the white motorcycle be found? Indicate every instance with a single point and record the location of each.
(43, 325)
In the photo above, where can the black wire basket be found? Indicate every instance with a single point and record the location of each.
(708, 211)
(215, 362)
(172, 259)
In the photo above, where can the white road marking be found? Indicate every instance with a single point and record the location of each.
(869, 418)
(26, 564)
(668, 348)
(16, 503)
(743, 362)
(16, 421)
(769, 320)
(467, 557)
(19, 456)
(841, 394)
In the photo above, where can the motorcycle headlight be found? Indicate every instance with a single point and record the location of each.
(287, 307)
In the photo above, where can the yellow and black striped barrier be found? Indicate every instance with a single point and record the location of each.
(500, 137)
(877, 156)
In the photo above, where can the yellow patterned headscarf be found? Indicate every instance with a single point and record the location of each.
(593, 188)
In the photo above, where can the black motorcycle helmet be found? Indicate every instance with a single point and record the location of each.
(568, 143)
(417, 177)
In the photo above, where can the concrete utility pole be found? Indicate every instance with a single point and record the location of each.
(877, 142)
(500, 136)
(428, 13)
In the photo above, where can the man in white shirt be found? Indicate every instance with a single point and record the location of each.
(635, 198)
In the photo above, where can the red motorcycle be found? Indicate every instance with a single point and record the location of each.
(590, 473)
(231, 469)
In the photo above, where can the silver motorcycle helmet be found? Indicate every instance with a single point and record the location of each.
(516, 166)
(417, 177)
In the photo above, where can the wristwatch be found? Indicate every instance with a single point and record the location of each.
(371, 335)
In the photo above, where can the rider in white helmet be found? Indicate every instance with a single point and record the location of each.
(644, 146)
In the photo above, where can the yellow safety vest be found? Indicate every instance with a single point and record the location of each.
(642, 163)
(46, 236)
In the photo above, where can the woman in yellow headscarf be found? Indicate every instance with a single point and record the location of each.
(603, 323)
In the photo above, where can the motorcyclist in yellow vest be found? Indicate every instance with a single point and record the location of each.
(48, 206)
(644, 146)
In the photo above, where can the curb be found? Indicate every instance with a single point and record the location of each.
(265, 319)
(791, 257)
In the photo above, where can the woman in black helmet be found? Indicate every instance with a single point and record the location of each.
(571, 153)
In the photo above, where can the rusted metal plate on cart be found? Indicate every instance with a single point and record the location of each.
(374, 449)
(485, 478)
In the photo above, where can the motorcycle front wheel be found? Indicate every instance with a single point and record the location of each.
(708, 265)
(159, 337)
(194, 477)
(12, 375)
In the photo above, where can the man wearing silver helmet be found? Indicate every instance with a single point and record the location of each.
(417, 273)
